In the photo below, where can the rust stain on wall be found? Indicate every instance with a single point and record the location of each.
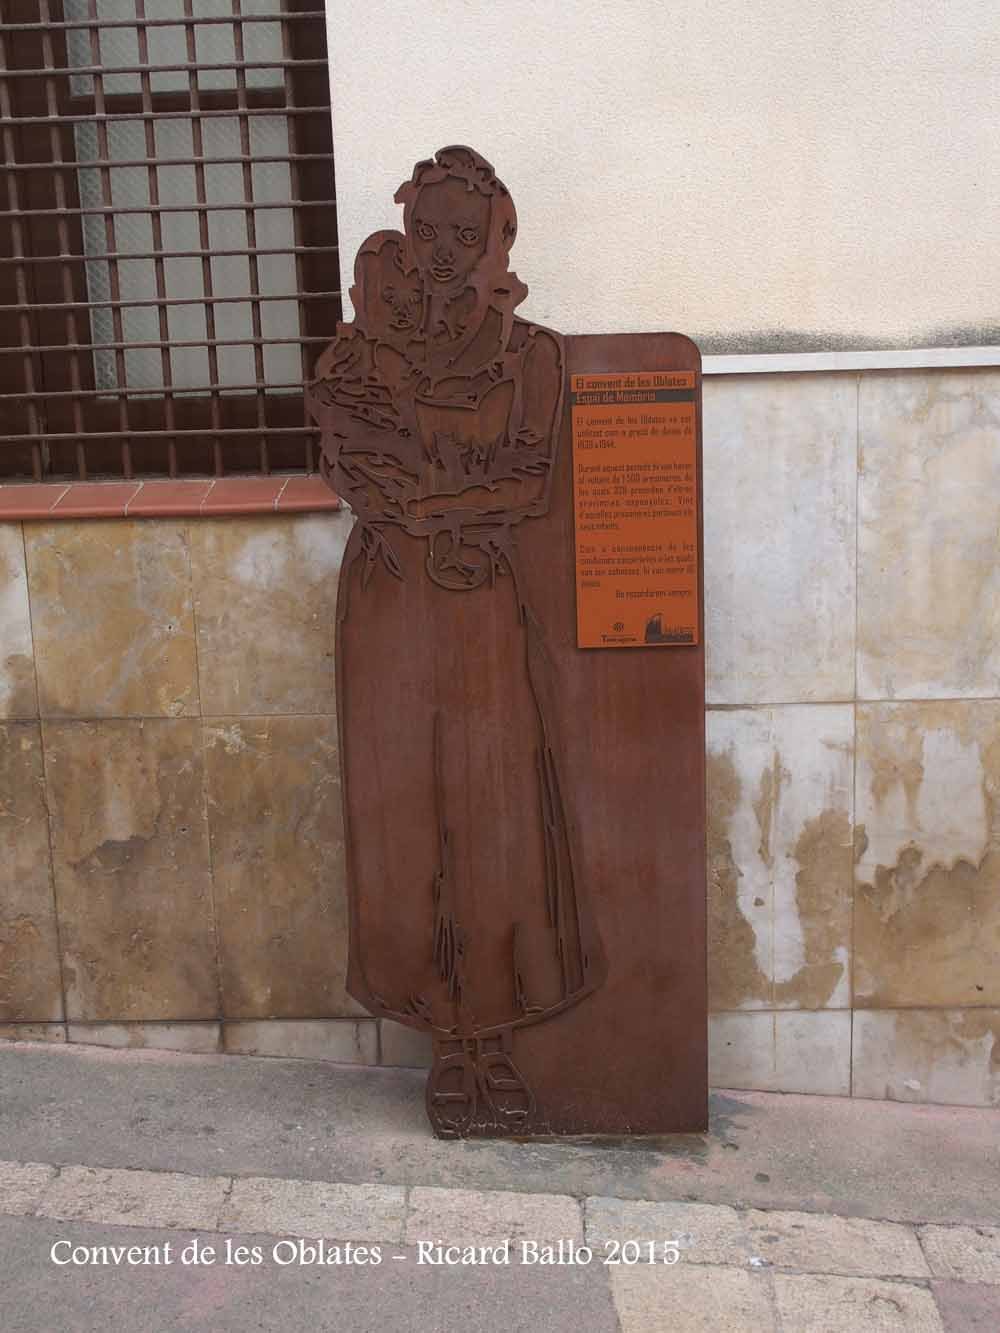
(926, 933)
(823, 852)
(973, 1026)
(735, 977)
(927, 927)
(904, 765)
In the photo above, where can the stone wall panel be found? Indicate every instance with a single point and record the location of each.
(928, 571)
(780, 857)
(780, 491)
(266, 597)
(130, 850)
(927, 910)
(30, 987)
(112, 617)
(273, 786)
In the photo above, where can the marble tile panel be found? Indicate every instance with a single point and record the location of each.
(342, 1040)
(927, 899)
(33, 1032)
(202, 1038)
(266, 596)
(112, 616)
(17, 667)
(404, 1047)
(30, 988)
(780, 490)
(946, 1056)
(780, 856)
(131, 860)
(273, 786)
(781, 1051)
(928, 566)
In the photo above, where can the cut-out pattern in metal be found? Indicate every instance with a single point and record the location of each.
(440, 412)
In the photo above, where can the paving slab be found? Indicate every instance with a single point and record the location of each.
(316, 1208)
(970, 1254)
(809, 1304)
(488, 1217)
(692, 1298)
(703, 1233)
(135, 1198)
(818, 1243)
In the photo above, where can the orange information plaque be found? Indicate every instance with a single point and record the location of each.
(636, 508)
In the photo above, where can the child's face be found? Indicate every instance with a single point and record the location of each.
(396, 298)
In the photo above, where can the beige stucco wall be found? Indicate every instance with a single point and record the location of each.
(760, 176)
(170, 842)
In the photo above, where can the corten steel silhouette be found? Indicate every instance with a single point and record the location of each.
(525, 821)
(441, 412)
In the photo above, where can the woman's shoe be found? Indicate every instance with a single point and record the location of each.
(504, 1088)
(452, 1095)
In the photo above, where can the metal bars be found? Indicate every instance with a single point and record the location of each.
(168, 256)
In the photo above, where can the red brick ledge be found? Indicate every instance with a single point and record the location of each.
(165, 499)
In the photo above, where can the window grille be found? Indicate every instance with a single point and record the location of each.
(168, 247)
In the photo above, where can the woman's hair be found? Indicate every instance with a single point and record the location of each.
(465, 164)
(494, 285)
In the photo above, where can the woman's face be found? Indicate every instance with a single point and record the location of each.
(449, 231)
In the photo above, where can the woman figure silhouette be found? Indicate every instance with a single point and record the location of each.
(467, 915)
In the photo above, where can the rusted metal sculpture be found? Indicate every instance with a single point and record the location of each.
(471, 908)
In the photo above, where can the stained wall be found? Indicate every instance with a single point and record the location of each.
(171, 853)
(778, 177)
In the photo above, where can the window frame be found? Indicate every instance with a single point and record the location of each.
(58, 422)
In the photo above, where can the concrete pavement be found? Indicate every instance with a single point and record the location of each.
(143, 1190)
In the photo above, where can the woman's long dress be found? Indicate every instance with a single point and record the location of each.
(467, 914)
